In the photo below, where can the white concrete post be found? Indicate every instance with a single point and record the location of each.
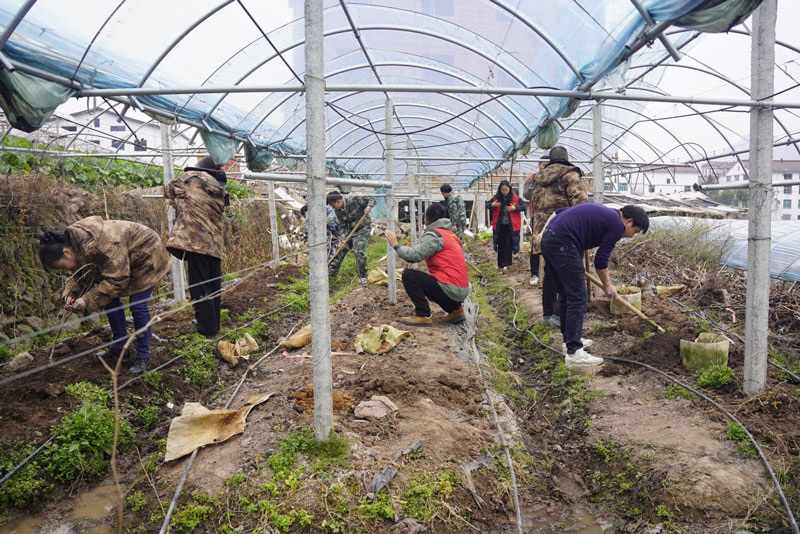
(315, 217)
(412, 203)
(391, 209)
(762, 84)
(597, 152)
(176, 265)
(273, 225)
(421, 215)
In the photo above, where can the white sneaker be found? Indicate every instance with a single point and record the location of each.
(534, 280)
(582, 358)
(586, 344)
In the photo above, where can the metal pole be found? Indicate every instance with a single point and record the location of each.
(597, 149)
(318, 248)
(268, 176)
(176, 265)
(390, 207)
(421, 214)
(762, 84)
(412, 203)
(739, 185)
(273, 225)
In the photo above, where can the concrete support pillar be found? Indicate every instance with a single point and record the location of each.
(480, 209)
(762, 84)
(421, 215)
(315, 217)
(597, 152)
(176, 265)
(391, 209)
(273, 225)
(412, 202)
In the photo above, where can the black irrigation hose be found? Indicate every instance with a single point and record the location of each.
(30, 457)
(762, 457)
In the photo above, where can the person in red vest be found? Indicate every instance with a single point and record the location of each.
(506, 223)
(446, 283)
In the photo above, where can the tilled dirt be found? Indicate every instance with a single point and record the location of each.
(712, 484)
(31, 405)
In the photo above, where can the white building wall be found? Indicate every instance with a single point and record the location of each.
(656, 181)
(786, 199)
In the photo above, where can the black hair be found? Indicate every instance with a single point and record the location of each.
(638, 215)
(499, 195)
(434, 212)
(304, 210)
(51, 247)
(446, 188)
(332, 197)
(208, 163)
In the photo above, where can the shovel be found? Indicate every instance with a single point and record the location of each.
(628, 305)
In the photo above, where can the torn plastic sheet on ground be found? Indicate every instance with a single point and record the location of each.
(198, 426)
(380, 339)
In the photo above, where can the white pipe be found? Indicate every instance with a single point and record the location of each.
(391, 209)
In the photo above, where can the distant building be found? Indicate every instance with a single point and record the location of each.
(100, 130)
(786, 199)
(657, 179)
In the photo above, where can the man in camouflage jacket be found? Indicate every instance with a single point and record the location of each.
(349, 211)
(116, 259)
(332, 228)
(455, 210)
(198, 236)
(558, 185)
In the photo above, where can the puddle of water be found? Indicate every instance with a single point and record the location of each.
(95, 504)
(28, 525)
(89, 508)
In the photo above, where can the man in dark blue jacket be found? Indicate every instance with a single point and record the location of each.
(569, 232)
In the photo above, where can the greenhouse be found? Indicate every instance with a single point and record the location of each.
(601, 198)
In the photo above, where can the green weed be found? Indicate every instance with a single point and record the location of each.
(200, 360)
(152, 378)
(86, 391)
(743, 443)
(425, 494)
(136, 501)
(715, 376)
(674, 391)
(28, 485)
(376, 510)
(148, 416)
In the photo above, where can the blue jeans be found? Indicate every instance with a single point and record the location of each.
(564, 266)
(140, 311)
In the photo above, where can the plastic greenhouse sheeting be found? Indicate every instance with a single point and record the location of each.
(784, 261)
(563, 44)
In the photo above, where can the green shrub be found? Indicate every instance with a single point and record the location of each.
(674, 391)
(715, 376)
(136, 501)
(200, 360)
(378, 510)
(152, 378)
(83, 443)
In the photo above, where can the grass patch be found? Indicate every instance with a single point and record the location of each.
(674, 391)
(87, 391)
(427, 493)
(743, 444)
(714, 376)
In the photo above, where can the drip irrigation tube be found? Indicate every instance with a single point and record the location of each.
(762, 457)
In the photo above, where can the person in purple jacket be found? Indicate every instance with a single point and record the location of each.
(567, 233)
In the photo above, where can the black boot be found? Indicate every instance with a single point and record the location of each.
(111, 355)
(139, 366)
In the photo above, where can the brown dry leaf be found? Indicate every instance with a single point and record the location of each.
(198, 426)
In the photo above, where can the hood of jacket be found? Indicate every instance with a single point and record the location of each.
(220, 176)
(442, 223)
(555, 170)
